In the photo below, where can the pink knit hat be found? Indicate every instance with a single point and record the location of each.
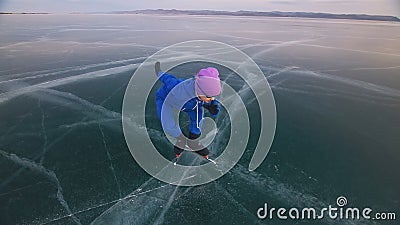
(207, 82)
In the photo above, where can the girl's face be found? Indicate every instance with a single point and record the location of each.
(205, 98)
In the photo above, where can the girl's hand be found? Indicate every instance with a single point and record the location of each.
(213, 108)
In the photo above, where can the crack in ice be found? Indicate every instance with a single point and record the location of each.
(98, 108)
(66, 80)
(110, 161)
(44, 149)
(49, 174)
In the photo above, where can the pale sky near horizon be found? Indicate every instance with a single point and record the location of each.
(372, 7)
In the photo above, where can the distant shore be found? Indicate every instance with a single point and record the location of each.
(242, 13)
(9, 13)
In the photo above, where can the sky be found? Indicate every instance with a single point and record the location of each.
(372, 7)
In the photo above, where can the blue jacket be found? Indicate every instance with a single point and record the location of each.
(182, 97)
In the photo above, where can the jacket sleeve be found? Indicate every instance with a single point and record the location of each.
(168, 121)
(169, 80)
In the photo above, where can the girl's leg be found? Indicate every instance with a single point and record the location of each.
(196, 117)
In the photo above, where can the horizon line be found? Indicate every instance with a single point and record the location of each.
(211, 10)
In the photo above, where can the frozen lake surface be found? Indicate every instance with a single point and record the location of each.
(63, 156)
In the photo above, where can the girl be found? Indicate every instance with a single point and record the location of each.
(194, 94)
